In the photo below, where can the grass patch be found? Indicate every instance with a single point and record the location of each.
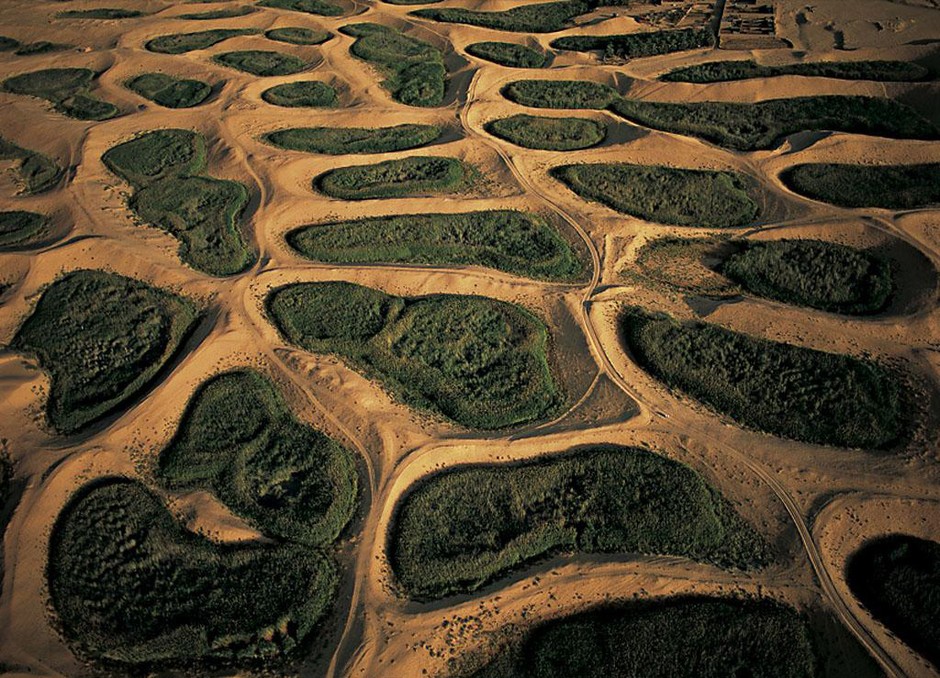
(343, 140)
(463, 528)
(201, 212)
(262, 63)
(306, 94)
(224, 13)
(130, 585)
(508, 54)
(636, 45)
(553, 134)
(238, 439)
(19, 229)
(168, 91)
(40, 47)
(416, 175)
(685, 265)
(789, 391)
(479, 362)
(102, 338)
(724, 71)
(685, 197)
(515, 242)
(36, 172)
(8, 44)
(560, 94)
(320, 7)
(180, 43)
(898, 187)
(750, 127)
(100, 13)
(897, 577)
(660, 638)
(413, 69)
(67, 89)
(295, 35)
(543, 17)
(813, 273)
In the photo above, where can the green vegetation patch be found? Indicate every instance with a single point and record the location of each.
(813, 273)
(180, 43)
(897, 577)
(413, 69)
(100, 13)
(685, 265)
(224, 13)
(343, 140)
(560, 94)
(508, 54)
(305, 94)
(239, 439)
(790, 391)
(710, 637)
(201, 212)
(261, 62)
(36, 172)
(898, 187)
(394, 178)
(635, 45)
(102, 338)
(40, 47)
(463, 528)
(553, 134)
(169, 91)
(542, 17)
(685, 197)
(724, 71)
(750, 127)
(19, 229)
(8, 44)
(67, 89)
(480, 362)
(515, 242)
(320, 7)
(298, 36)
(130, 585)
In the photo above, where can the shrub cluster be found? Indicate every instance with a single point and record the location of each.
(67, 89)
(22, 230)
(261, 62)
(180, 43)
(723, 71)
(635, 45)
(298, 36)
(168, 91)
(544, 133)
(508, 54)
(393, 178)
(303, 94)
(347, 140)
(897, 187)
(321, 7)
(36, 172)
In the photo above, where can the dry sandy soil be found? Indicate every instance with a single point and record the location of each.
(815, 504)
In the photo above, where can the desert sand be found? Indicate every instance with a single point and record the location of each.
(814, 504)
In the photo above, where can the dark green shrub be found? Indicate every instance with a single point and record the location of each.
(180, 43)
(260, 62)
(479, 362)
(304, 94)
(20, 230)
(393, 178)
(238, 439)
(131, 586)
(508, 54)
(560, 94)
(66, 89)
(794, 392)
(40, 47)
(8, 44)
(413, 70)
(723, 71)
(169, 91)
(542, 17)
(463, 528)
(224, 13)
(685, 197)
(813, 273)
(102, 13)
(709, 637)
(202, 212)
(36, 172)
(750, 127)
(635, 45)
(515, 242)
(555, 134)
(320, 7)
(343, 140)
(298, 36)
(896, 187)
(897, 577)
(102, 338)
